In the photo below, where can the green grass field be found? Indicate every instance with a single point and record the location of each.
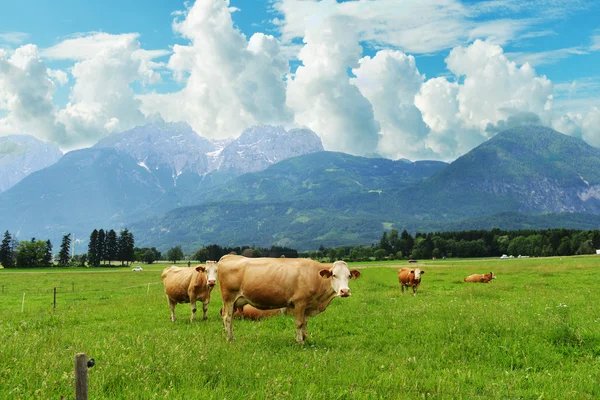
(533, 333)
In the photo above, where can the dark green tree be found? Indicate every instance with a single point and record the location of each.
(101, 246)
(394, 241)
(126, 245)
(30, 254)
(201, 255)
(175, 254)
(64, 255)
(379, 254)
(6, 251)
(256, 253)
(149, 256)
(94, 261)
(112, 246)
(48, 259)
(384, 243)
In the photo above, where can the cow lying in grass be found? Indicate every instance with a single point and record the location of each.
(410, 277)
(253, 313)
(482, 278)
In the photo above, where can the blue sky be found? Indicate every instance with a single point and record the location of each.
(381, 97)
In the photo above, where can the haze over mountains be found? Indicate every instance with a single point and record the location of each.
(20, 155)
(269, 186)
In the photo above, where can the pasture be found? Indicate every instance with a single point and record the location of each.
(533, 333)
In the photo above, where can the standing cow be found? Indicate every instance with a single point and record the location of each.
(483, 278)
(186, 285)
(304, 285)
(410, 277)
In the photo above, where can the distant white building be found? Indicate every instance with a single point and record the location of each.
(598, 252)
(504, 256)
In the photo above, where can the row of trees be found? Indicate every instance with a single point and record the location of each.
(108, 247)
(32, 253)
(467, 244)
(215, 252)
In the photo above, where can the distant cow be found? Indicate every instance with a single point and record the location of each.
(304, 285)
(253, 313)
(483, 278)
(186, 285)
(410, 277)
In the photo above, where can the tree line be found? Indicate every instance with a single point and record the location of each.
(106, 247)
(468, 244)
(214, 252)
(103, 247)
(33, 253)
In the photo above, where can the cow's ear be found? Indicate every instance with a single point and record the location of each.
(412, 271)
(354, 274)
(325, 273)
(200, 268)
(422, 272)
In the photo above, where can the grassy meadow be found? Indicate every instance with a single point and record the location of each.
(533, 333)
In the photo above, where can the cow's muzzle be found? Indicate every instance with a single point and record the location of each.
(212, 283)
(344, 292)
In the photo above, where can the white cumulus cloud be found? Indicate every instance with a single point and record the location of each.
(102, 100)
(26, 90)
(322, 96)
(390, 80)
(230, 82)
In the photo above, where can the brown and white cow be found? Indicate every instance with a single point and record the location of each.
(483, 278)
(186, 285)
(253, 313)
(410, 277)
(304, 285)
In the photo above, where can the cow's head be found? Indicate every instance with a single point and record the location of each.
(492, 275)
(340, 275)
(211, 272)
(418, 273)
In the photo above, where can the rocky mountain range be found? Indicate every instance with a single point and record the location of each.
(136, 174)
(272, 186)
(527, 177)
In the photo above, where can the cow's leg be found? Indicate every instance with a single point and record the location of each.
(304, 333)
(172, 305)
(414, 290)
(402, 287)
(227, 311)
(193, 307)
(300, 318)
(205, 310)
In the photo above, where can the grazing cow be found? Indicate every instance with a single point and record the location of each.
(410, 277)
(186, 285)
(483, 278)
(304, 285)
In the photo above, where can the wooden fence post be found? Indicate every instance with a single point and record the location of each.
(81, 378)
